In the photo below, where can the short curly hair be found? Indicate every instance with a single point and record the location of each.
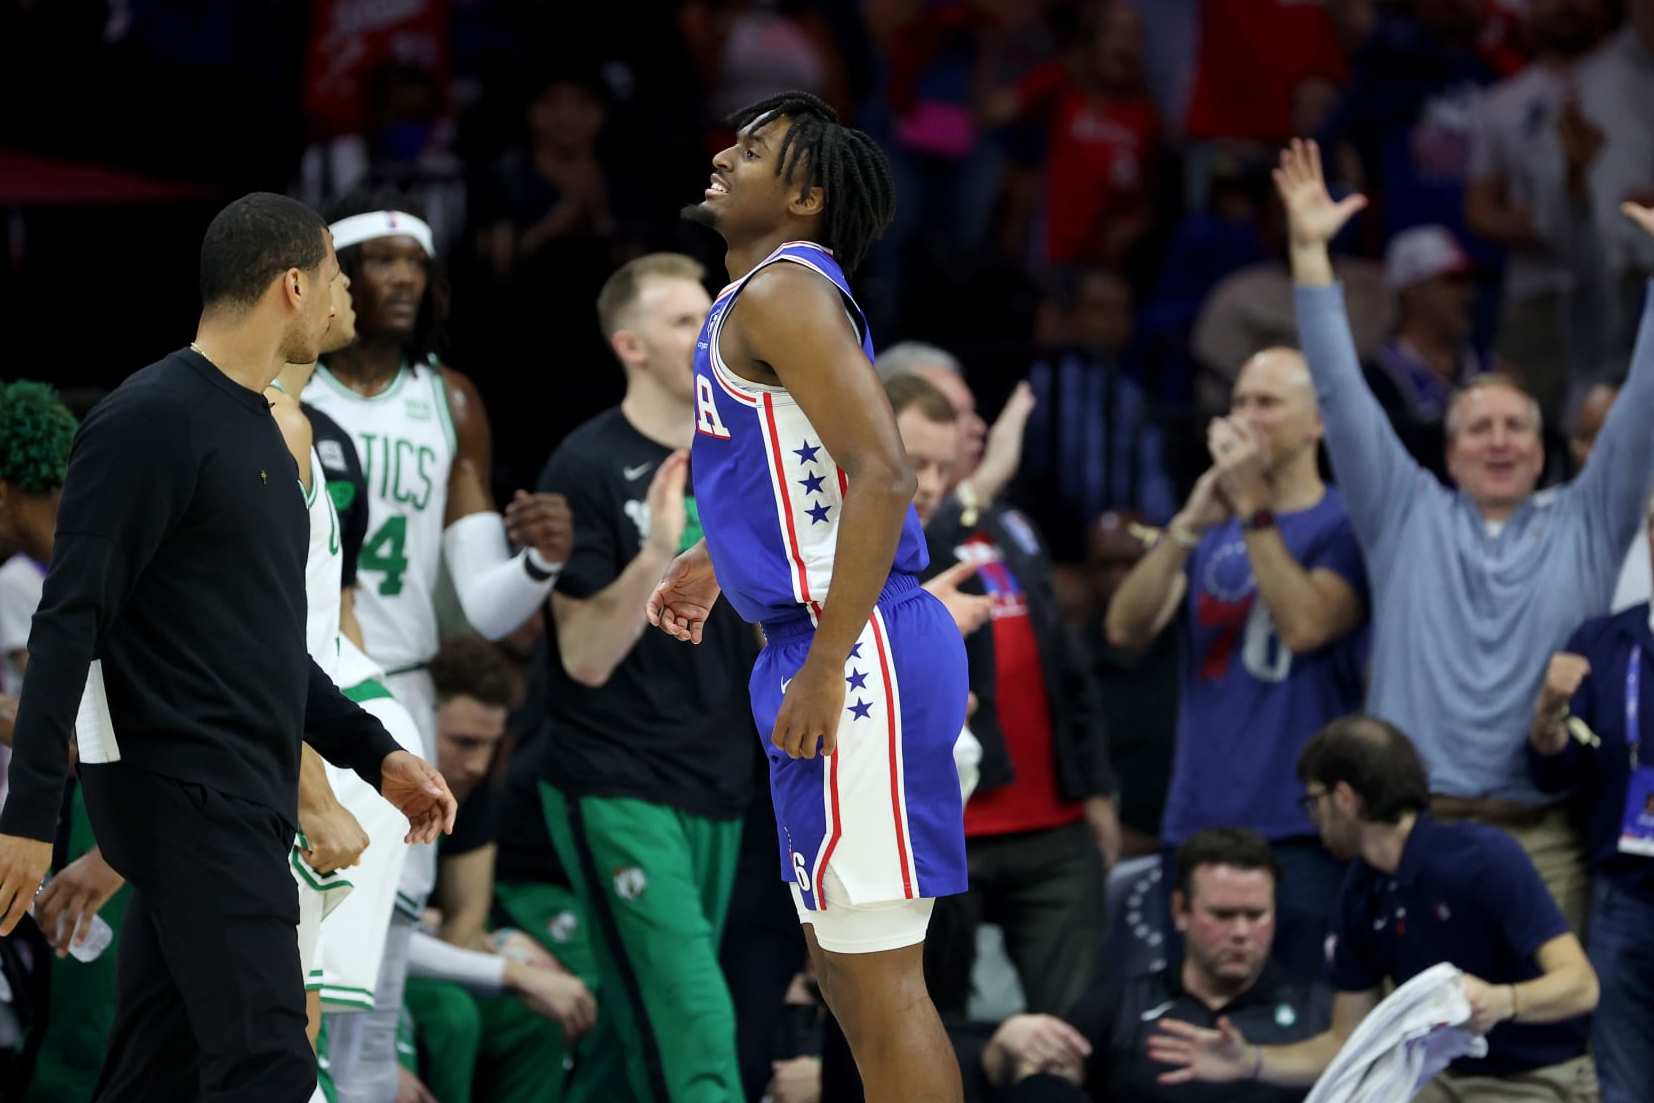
(36, 430)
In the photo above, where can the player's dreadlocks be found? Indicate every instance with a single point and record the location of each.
(35, 432)
(845, 163)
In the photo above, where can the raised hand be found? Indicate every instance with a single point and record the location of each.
(683, 598)
(1003, 452)
(1239, 460)
(667, 513)
(1312, 216)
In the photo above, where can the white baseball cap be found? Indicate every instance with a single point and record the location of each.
(1422, 253)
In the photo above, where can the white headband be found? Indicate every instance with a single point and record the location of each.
(365, 227)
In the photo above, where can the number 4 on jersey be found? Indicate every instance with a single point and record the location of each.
(386, 551)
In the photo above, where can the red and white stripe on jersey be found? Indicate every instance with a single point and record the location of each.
(864, 789)
(806, 486)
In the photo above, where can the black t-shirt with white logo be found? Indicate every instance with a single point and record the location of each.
(673, 723)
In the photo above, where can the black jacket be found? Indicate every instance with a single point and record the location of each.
(1079, 734)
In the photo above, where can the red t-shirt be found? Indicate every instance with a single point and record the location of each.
(1099, 151)
(1031, 801)
(1253, 53)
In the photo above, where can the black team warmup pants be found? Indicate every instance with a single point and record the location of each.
(210, 1004)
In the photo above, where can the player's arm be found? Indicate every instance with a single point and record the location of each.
(1225, 1056)
(295, 432)
(594, 633)
(348, 736)
(497, 590)
(130, 480)
(793, 321)
(334, 836)
(464, 889)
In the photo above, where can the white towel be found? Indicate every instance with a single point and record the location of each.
(1405, 1041)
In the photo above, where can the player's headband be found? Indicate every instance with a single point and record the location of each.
(365, 227)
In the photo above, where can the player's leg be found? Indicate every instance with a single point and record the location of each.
(901, 845)
(634, 866)
(362, 1045)
(880, 1000)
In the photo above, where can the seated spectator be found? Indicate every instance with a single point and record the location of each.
(1429, 356)
(1471, 588)
(1263, 567)
(1589, 736)
(1527, 193)
(1224, 903)
(1635, 581)
(494, 1012)
(1092, 443)
(1044, 806)
(1420, 893)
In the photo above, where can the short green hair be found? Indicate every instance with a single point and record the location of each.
(36, 430)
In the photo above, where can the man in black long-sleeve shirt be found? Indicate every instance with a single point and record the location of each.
(172, 621)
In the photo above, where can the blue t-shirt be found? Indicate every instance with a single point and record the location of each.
(1248, 704)
(1464, 893)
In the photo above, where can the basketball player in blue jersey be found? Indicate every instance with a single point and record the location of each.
(806, 499)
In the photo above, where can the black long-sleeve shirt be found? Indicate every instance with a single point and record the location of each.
(178, 566)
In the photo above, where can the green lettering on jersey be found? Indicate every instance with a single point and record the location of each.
(411, 481)
(386, 551)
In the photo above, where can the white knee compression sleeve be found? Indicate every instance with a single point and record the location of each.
(497, 590)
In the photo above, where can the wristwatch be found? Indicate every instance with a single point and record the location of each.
(1260, 519)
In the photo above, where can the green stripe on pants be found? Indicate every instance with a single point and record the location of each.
(655, 883)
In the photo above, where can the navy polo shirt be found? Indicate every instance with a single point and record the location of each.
(1467, 894)
(1600, 775)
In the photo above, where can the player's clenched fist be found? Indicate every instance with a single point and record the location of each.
(810, 710)
(542, 522)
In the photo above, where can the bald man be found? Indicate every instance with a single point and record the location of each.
(1264, 566)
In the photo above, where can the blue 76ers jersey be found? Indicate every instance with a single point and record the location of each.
(768, 491)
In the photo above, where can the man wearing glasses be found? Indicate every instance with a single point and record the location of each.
(1422, 892)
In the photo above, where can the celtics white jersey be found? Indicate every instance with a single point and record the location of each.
(323, 570)
(405, 438)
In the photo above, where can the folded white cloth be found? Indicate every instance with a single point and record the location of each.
(1406, 1040)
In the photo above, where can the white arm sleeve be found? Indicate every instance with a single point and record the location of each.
(434, 959)
(495, 589)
